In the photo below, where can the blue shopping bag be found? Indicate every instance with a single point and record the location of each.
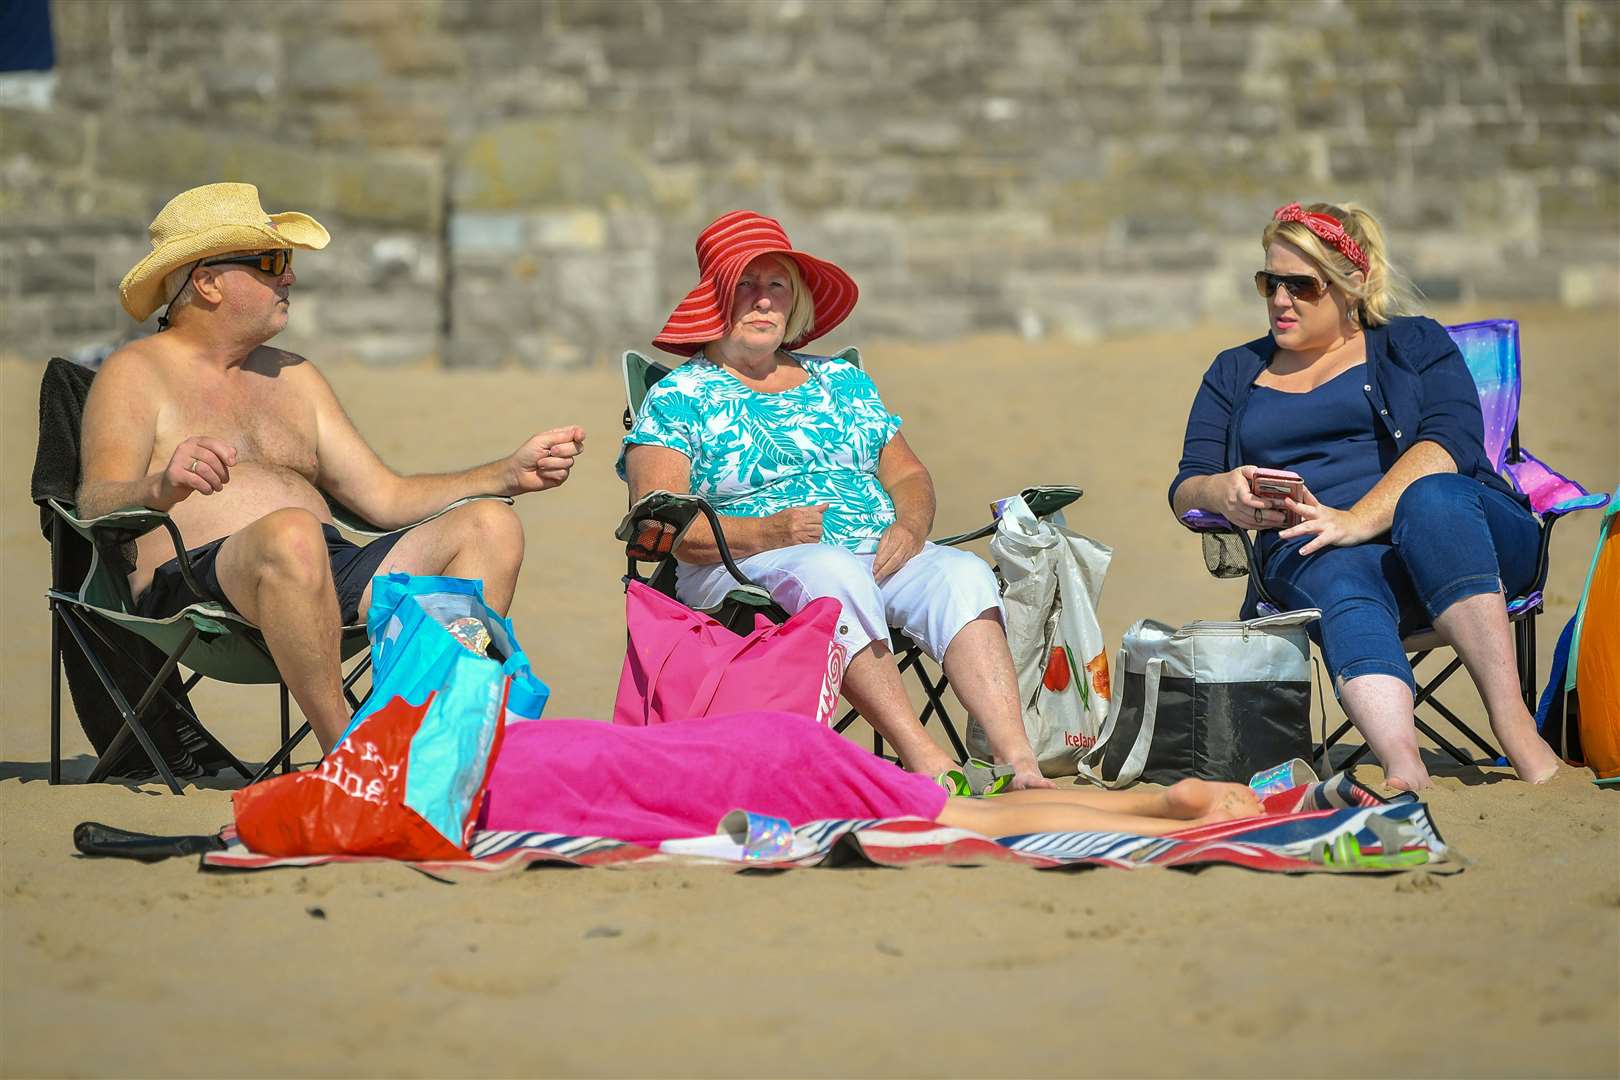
(414, 652)
(408, 776)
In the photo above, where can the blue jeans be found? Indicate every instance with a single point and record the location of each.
(1453, 537)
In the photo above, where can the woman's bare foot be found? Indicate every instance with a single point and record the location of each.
(1231, 801)
(1532, 759)
(1420, 780)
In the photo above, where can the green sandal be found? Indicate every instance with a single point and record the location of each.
(976, 778)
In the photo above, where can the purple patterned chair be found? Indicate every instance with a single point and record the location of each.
(1491, 350)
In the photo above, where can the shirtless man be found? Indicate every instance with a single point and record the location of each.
(236, 440)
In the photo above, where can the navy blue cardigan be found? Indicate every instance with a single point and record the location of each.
(1416, 378)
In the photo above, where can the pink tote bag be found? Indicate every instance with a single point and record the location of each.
(681, 664)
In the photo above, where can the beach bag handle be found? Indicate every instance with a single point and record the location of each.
(1136, 760)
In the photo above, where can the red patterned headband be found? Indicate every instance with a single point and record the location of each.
(1328, 228)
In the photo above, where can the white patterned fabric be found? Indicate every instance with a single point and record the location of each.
(755, 454)
(932, 597)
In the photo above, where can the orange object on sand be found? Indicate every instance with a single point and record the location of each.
(1598, 660)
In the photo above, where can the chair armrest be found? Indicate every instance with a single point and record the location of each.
(133, 520)
(1202, 521)
(349, 521)
(1550, 492)
(678, 511)
(118, 527)
(1047, 499)
(1043, 501)
(1594, 501)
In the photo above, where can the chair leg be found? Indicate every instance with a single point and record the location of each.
(1530, 687)
(132, 716)
(56, 694)
(936, 703)
(359, 669)
(286, 728)
(282, 757)
(1469, 733)
(173, 703)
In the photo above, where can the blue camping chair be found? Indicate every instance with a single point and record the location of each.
(1491, 351)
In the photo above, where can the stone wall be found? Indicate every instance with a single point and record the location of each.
(514, 182)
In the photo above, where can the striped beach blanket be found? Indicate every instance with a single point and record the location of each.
(1325, 828)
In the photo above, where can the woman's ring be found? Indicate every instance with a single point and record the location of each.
(193, 466)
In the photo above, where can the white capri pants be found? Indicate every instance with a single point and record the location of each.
(935, 594)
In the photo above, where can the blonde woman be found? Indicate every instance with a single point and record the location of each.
(1401, 522)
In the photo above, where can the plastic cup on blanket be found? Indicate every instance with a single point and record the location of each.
(1290, 774)
(759, 835)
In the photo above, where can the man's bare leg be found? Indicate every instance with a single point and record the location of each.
(1477, 627)
(872, 684)
(1186, 805)
(276, 572)
(482, 540)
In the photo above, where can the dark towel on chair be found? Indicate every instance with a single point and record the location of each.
(62, 394)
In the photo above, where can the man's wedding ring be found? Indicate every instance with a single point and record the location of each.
(193, 466)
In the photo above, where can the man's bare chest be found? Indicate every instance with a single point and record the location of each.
(266, 426)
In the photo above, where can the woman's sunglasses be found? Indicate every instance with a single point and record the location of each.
(1300, 286)
(274, 263)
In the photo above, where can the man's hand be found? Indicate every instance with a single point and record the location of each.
(1027, 776)
(544, 461)
(1238, 504)
(796, 525)
(898, 545)
(1328, 527)
(200, 463)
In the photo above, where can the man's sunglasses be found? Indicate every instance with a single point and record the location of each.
(1300, 286)
(274, 263)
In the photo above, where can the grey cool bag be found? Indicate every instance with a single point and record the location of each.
(1214, 700)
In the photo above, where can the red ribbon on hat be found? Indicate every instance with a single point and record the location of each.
(1326, 227)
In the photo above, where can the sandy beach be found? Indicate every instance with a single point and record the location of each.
(114, 968)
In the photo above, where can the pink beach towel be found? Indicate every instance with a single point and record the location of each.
(667, 781)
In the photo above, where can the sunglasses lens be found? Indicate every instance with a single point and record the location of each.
(1299, 286)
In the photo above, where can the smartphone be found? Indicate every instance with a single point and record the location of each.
(1278, 484)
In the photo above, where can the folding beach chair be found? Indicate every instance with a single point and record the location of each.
(89, 598)
(736, 612)
(1491, 351)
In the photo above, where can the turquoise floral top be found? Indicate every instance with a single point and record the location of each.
(755, 454)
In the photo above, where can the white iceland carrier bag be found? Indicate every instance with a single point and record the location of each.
(1052, 580)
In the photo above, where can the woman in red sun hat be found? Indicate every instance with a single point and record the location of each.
(818, 492)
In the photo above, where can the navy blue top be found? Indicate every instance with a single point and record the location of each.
(1329, 435)
(1415, 382)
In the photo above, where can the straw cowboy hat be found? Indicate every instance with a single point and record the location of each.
(724, 249)
(215, 219)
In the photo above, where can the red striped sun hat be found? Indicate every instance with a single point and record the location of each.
(724, 250)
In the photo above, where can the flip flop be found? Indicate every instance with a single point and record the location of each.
(985, 778)
(976, 779)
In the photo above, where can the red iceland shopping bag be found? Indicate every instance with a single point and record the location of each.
(681, 664)
(406, 784)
